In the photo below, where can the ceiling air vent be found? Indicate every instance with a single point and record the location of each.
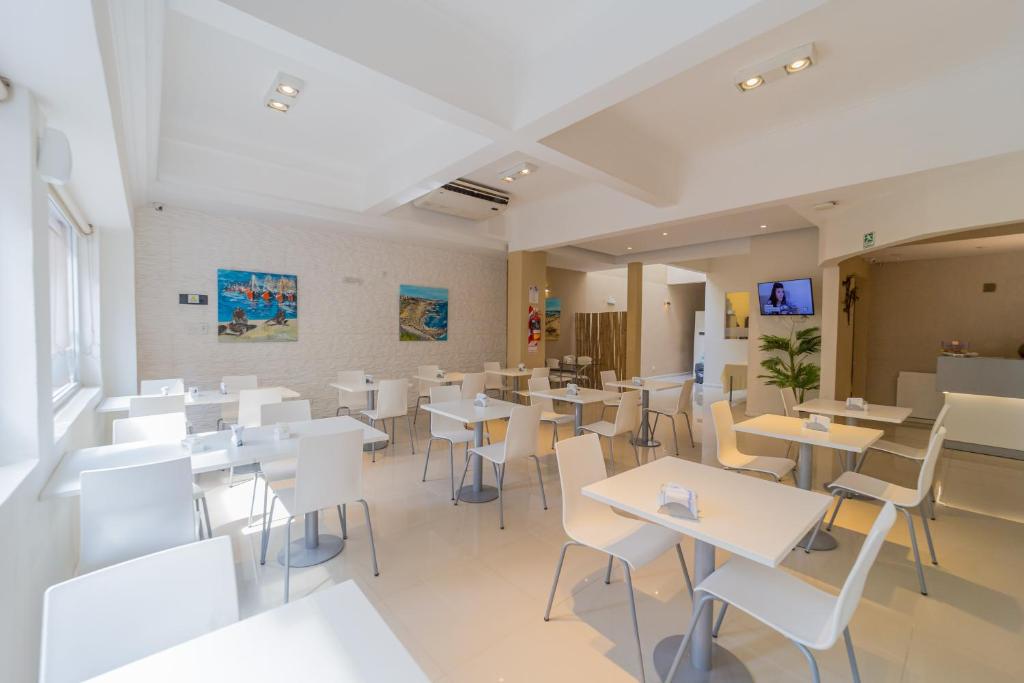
(465, 199)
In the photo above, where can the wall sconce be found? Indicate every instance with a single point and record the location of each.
(668, 304)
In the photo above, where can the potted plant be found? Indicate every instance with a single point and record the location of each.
(790, 369)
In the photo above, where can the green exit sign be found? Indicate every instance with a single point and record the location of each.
(869, 239)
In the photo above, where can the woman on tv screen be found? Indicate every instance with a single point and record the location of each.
(786, 297)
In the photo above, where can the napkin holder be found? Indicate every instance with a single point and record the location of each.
(856, 404)
(192, 444)
(193, 391)
(521, 367)
(818, 423)
(440, 373)
(678, 501)
(236, 435)
(572, 389)
(368, 379)
(481, 400)
(638, 381)
(223, 388)
(281, 431)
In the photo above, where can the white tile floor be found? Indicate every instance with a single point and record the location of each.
(467, 598)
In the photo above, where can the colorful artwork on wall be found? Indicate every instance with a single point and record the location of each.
(533, 325)
(257, 307)
(553, 319)
(422, 313)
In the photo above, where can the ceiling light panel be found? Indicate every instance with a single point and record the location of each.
(518, 171)
(283, 93)
(789, 63)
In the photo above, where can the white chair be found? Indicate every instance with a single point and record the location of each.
(905, 499)
(329, 473)
(547, 406)
(732, 458)
(105, 619)
(520, 440)
(446, 429)
(808, 616)
(140, 406)
(555, 375)
(625, 423)
(234, 384)
(285, 411)
(127, 512)
(670, 404)
(157, 386)
(607, 377)
(251, 402)
(544, 372)
(493, 382)
(392, 403)
(590, 524)
(165, 427)
(473, 384)
(278, 470)
(424, 386)
(583, 364)
(351, 400)
(789, 405)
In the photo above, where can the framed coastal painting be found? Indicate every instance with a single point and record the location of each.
(422, 313)
(553, 319)
(257, 307)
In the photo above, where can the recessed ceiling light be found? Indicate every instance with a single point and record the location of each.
(764, 227)
(825, 206)
(519, 170)
(509, 179)
(798, 65)
(283, 92)
(751, 83)
(629, 248)
(277, 106)
(287, 90)
(790, 62)
(664, 234)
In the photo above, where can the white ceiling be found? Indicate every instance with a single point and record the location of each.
(973, 243)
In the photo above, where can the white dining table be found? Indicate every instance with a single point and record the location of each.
(334, 634)
(746, 516)
(207, 397)
(370, 388)
(515, 373)
(464, 410)
(853, 416)
(582, 397)
(446, 378)
(259, 446)
(645, 438)
(844, 438)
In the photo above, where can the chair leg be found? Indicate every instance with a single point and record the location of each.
(927, 534)
(689, 429)
(206, 516)
(815, 675)
(343, 516)
(430, 442)
(554, 583)
(501, 504)
(817, 528)
(462, 482)
(369, 528)
(608, 572)
(686, 572)
(266, 532)
(913, 545)
(611, 452)
(195, 501)
(835, 511)
(412, 438)
(287, 558)
(554, 434)
(636, 625)
(704, 601)
(252, 503)
(266, 492)
(540, 481)
(931, 504)
(636, 451)
(850, 653)
(675, 436)
(719, 620)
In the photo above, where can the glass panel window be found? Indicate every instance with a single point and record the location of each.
(63, 305)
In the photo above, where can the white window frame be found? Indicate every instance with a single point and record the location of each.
(63, 393)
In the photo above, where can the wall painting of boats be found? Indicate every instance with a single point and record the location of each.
(257, 307)
(422, 313)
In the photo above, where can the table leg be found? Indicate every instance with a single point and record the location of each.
(705, 660)
(646, 439)
(824, 540)
(578, 409)
(314, 547)
(477, 492)
(371, 403)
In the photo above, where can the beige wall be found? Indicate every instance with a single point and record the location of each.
(917, 304)
(667, 340)
(525, 269)
(852, 331)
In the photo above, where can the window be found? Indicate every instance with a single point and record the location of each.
(63, 305)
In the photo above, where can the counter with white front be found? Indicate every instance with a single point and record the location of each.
(986, 400)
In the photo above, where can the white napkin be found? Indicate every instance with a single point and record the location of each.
(223, 388)
(481, 400)
(818, 423)
(572, 389)
(678, 501)
(856, 404)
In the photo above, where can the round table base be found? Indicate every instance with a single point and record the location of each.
(725, 666)
(824, 541)
(650, 443)
(485, 495)
(375, 446)
(327, 547)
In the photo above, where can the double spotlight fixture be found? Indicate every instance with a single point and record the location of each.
(788, 63)
(283, 93)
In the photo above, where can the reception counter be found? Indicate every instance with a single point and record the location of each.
(986, 399)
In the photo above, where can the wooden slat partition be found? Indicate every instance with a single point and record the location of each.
(602, 336)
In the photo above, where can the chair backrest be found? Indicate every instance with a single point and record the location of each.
(523, 428)
(472, 384)
(568, 359)
(584, 361)
(127, 512)
(607, 376)
(163, 427)
(686, 397)
(492, 381)
(156, 386)
(789, 401)
(100, 621)
(285, 411)
(626, 417)
(580, 463)
(140, 406)
(552, 363)
(728, 451)
(235, 383)
(329, 470)
(846, 602)
(392, 398)
(540, 372)
(940, 419)
(439, 423)
(250, 404)
(352, 399)
(426, 371)
(931, 459)
(540, 384)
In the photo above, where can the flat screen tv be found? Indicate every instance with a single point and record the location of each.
(786, 297)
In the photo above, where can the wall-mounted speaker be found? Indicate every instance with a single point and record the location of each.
(54, 157)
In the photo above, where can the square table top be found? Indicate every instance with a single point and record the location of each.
(648, 385)
(839, 437)
(356, 387)
(584, 396)
(464, 410)
(259, 445)
(754, 518)
(448, 378)
(334, 634)
(875, 413)
(511, 372)
(207, 397)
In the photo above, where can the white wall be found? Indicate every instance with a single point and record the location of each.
(342, 325)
